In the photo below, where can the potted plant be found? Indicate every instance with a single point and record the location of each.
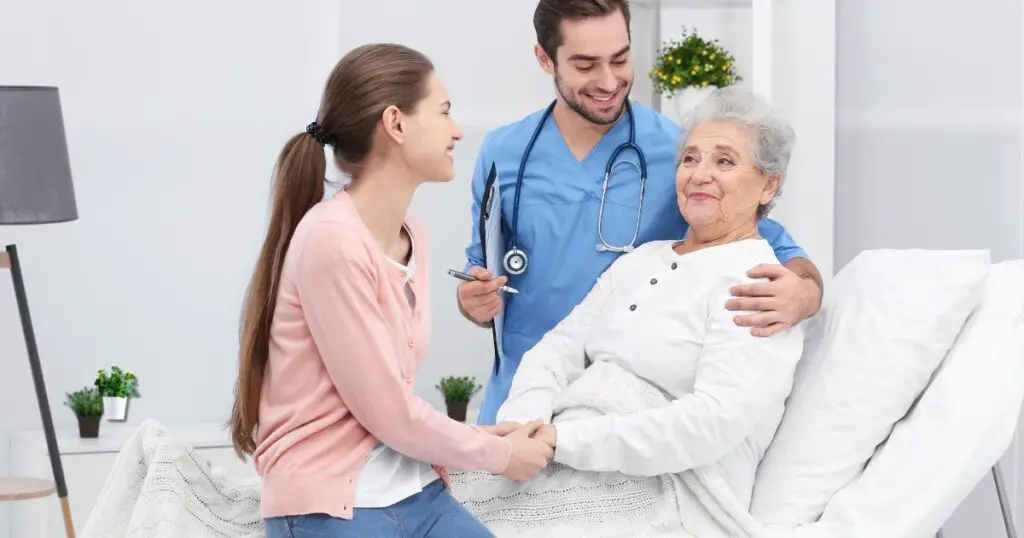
(688, 69)
(87, 404)
(458, 391)
(116, 387)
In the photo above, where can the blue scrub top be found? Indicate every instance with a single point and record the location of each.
(558, 222)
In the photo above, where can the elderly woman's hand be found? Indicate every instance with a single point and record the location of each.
(785, 300)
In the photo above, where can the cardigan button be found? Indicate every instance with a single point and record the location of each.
(654, 281)
(674, 265)
(632, 307)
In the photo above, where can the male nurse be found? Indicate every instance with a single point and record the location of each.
(585, 46)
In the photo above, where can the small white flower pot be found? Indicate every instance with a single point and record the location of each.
(685, 99)
(115, 409)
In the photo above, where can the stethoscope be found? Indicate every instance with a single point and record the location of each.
(516, 260)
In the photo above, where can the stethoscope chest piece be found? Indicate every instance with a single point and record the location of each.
(515, 261)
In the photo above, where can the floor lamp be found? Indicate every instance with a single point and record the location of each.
(35, 188)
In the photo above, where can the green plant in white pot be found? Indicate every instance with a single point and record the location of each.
(87, 404)
(688, 69)
(117, 387)
(458, 391)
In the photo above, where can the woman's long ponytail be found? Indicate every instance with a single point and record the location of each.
(298, 186)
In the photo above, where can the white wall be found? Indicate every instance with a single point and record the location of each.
(929, 150)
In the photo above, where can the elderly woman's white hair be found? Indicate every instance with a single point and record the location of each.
(771, 141)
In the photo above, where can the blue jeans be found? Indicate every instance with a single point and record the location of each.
(432, 513)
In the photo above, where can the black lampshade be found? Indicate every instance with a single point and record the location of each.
(35, 172)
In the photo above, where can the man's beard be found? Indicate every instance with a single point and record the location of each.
(578, 107)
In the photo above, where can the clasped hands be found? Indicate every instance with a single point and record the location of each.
(533, 446)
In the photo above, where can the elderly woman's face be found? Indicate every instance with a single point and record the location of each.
(717, 182)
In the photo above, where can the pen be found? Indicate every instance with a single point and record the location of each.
(470, 278)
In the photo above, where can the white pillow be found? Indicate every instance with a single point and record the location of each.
(887, 320)
(959, 428)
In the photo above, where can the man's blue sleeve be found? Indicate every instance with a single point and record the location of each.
(474, 251)
(785, 247)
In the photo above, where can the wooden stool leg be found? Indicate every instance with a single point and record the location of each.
(65, 509)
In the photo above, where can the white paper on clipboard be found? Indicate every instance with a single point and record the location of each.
(494, 245)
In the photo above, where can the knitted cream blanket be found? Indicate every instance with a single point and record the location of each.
(564, 502)
(160, 487)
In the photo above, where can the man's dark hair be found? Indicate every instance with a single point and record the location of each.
(548, 17)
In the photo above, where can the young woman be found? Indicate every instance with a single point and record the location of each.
(337, 320)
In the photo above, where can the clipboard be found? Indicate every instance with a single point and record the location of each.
(492, 242)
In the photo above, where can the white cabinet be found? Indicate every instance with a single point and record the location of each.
(87, 463)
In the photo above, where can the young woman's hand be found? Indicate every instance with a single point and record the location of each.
(529, 455)
(502, 429)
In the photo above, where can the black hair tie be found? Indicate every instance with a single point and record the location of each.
(319, 134)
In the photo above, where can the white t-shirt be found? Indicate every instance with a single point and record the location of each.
(390, 476)
(662, 316)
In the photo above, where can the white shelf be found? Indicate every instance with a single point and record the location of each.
(113, 436)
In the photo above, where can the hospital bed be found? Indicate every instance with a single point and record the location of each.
(908, 394)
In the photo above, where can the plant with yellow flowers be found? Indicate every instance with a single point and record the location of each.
(692, 62)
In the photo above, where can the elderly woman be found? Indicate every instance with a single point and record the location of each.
(658, 405)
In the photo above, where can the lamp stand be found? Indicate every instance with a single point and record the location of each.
(10, 259)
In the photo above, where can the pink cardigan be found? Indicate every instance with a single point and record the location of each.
(344, 349)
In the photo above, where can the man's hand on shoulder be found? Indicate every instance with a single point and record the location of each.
(793, 293)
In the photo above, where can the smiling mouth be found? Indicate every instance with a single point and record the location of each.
(604, 99)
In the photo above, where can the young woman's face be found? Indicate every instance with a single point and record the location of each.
(431, 133)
